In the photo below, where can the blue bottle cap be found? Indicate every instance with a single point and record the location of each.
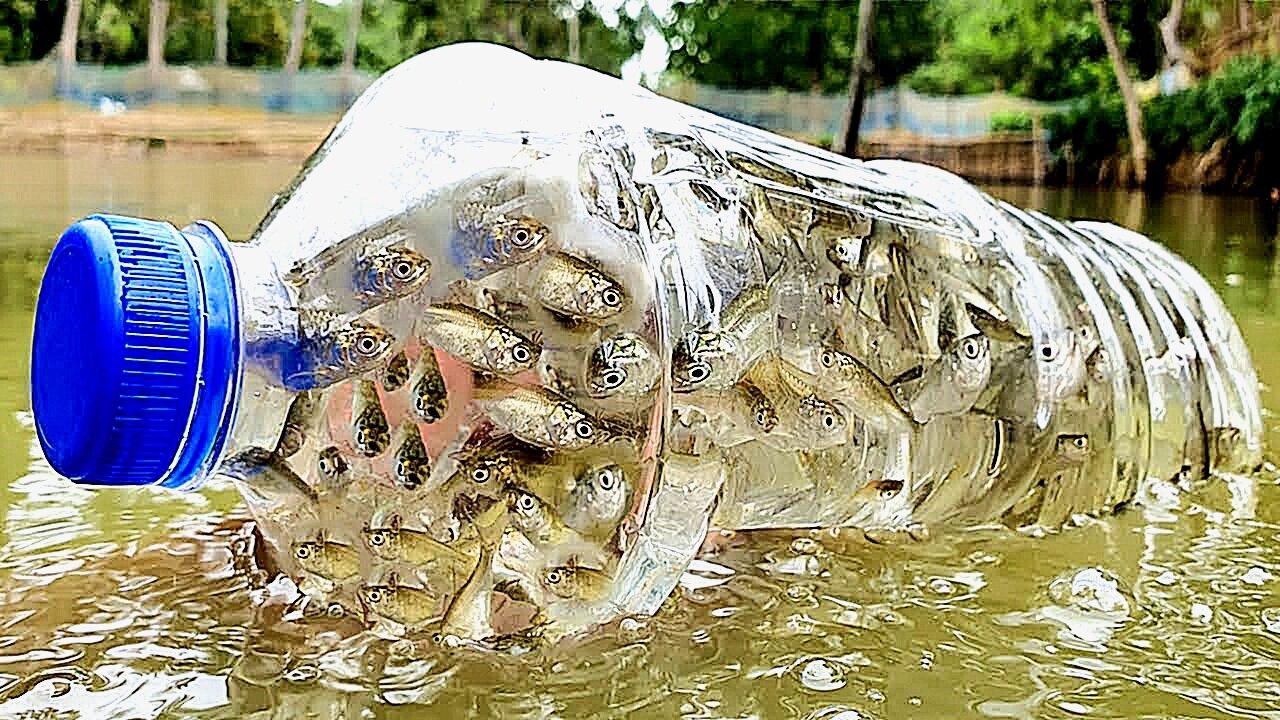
(135, 360)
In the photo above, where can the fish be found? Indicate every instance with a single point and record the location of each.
(388, 273)
(536, 415)
(805, 420)
(413, 465)
(427, 388)
(569, 582)
(844, 376)
(396, 373)
(996, 328)
(470, 612)
(714, 359)
(600, 496)
(625, 364)
(410, 606)
(881, 489)
(490, 468)
(1061, 475)
(370, 431)
(955, 380)
(478, 339)
(491, 234)
(296, 423)
(537, 522)
(334, 469)
(1060, 369)
(578, 289)
(1228, 450)
(394, 543)
(742, 412)
(820, 420)
(335, 351)
(330, 560)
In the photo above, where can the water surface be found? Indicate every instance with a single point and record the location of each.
(130, 604)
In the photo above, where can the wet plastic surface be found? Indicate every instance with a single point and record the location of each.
(512, 355)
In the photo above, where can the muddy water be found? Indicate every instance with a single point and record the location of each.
(128, 604)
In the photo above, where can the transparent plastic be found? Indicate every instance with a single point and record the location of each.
(519, 334)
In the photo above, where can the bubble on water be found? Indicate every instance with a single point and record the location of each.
(1092, 589)
(915, 700)
(942, 586)
(800, 565)
(834, 712)
(1257, 576)
(1075, 708)
(822, 675)
(1201, 613)
(1271, 619)
(875, 695)
(1166, 578)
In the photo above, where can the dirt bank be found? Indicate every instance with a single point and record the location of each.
(212, 132)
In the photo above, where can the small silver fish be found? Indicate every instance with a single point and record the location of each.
(490, 468)
(624, 364)
(996, 328)
(847, 379)
(413, 465)
(396, 373)
(953, 383)
(598, 500)
(744, 408)
(427, 388)
(389, 273)
(410, 606)
(1061, 475)
(416, 547)
(297, 421)
(492, 234)
(537, 522)
(569, 582)
(330, 560)
(714, 359)
(267, 474)
(881, 489)
(576, 288)
(536, 415)
(479, 339)
(821, 420)
(1228, 450)
(335, 352)
(370, 431)
(333, 469)
(470, 612)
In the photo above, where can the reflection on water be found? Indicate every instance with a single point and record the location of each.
(129, 604)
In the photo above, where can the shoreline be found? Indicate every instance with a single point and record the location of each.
(67, 128)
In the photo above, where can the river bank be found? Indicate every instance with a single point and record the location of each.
(198, 131)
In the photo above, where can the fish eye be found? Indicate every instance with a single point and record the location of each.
(522, 237)
(829, 421)
(377, 538)
(612, 378)
(366, 344)
(480, 474)
(699, 372)
(762, 418)
(611, 297)
(526, 503)
(403, 269)
(584, 429)
(1048, 352)
(520, 353)
(303, 552)
(971, 349)
(553, 576)
(606, 480)
(828, 358)
(1081, 442)
(374, 595)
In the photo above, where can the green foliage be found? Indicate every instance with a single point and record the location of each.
(1092, 126)
(798, 46)
(1010, 121)
(1043, 49)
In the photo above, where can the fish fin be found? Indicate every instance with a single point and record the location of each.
(913, 373)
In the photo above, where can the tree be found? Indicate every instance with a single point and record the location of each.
(1132, 111)
(297, 34)
(219, 32)
(1175, 54)
(353, 34)
(67, 45)
(847, 142)
(155, 38)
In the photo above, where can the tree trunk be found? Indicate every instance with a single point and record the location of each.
(847, 142)
(220, 32)
(1175, 53)
(1132, 111)
(1245, 16)
(353, 34)
(155, 39)
(67, 44)
(574, 32)
(297, 34)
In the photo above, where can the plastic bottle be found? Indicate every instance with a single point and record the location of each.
(519, 334)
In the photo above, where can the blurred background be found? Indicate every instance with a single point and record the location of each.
(1160, 93)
